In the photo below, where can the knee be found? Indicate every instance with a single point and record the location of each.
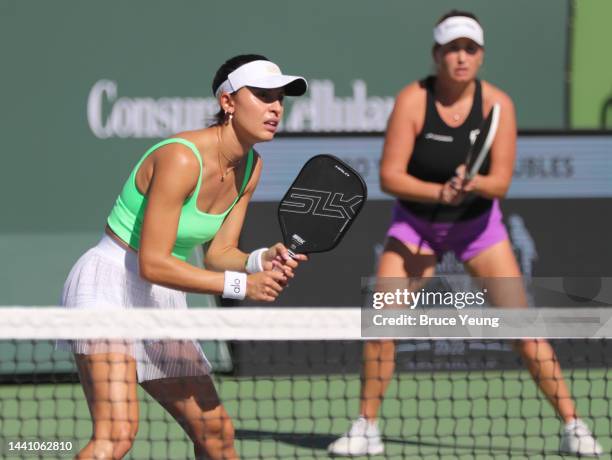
(97, 449)
(123, 435)
(217, 430)
(383, 348)
(529, 347)
(112, 441)
(220, 428)
(387, 346)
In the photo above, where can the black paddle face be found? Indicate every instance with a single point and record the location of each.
(320, 205)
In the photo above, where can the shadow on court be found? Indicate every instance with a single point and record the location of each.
(306, 440)
(321, 441)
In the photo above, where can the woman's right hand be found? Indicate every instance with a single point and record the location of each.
(452, 192)
(265, 286)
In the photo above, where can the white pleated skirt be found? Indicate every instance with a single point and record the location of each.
(106, 277)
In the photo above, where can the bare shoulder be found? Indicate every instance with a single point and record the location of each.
(182, 154)
(409, 108)
(492, 95)
(412, 96)
(178, 160)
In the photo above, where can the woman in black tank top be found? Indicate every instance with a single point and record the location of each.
(439, 149)
(428, 136)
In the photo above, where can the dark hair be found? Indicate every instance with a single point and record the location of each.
(228, 67)
(453, 13)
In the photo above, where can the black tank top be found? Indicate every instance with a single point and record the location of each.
(438, 150)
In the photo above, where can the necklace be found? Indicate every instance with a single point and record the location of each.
(448, 112)
(233, 163)
(229, 168)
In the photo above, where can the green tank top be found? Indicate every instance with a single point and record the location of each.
(195, 227)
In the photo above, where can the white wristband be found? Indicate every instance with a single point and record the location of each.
(254, 263)
(235, 285)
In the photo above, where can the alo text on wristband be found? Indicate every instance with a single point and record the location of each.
(235, 285)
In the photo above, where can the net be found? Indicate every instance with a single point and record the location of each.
(293, 386)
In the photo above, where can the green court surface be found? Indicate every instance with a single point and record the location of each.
(442, 415)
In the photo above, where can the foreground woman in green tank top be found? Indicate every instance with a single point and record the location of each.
(186, 190)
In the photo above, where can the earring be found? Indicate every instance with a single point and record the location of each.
(231, 116)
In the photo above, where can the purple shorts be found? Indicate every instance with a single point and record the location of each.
(465, 238)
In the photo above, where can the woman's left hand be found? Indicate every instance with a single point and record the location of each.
(460, 182)
(277, 258)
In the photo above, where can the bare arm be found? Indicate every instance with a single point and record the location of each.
(223, 252)
(174, 177)
(176, 171)
(401, 133)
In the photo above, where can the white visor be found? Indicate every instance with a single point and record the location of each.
(458, 27)
(262, 74)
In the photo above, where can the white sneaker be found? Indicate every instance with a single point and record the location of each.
(362, 439)
(577, 439)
